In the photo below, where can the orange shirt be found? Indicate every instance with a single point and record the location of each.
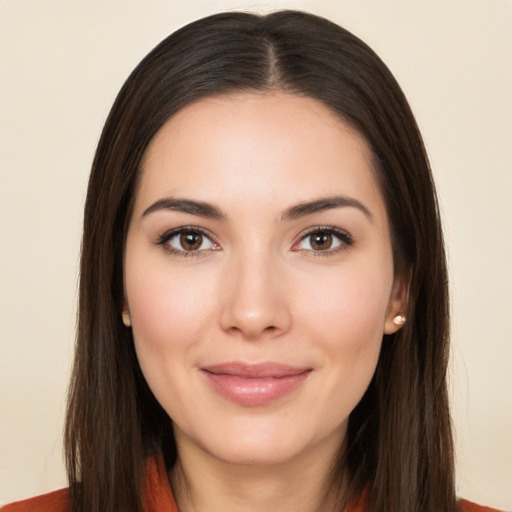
(158, 496)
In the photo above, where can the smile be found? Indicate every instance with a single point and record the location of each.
(253, 385)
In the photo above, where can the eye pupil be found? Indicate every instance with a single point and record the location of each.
(321, 241)
(191, 241)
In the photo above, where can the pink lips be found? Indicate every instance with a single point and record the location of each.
(254, 384)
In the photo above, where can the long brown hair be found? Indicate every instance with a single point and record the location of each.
(399, 444)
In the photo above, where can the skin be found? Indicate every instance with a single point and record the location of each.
(258, 290)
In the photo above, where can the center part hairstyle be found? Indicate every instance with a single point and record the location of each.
(399, 446)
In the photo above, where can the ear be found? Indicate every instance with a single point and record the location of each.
(127, 321)
(397, 306)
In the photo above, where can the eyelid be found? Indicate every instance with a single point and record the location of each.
(344, 236)
(163, 239)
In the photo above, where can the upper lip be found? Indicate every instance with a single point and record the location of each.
(258, 370)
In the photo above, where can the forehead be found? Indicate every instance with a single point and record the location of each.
(266, 147)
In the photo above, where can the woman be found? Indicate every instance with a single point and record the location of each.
(263, 318)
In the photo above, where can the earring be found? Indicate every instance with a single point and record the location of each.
(127, 321)
(399, 320)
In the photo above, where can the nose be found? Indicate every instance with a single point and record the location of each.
(255, 301)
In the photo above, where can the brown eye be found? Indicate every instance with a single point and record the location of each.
(187, 241)
(191, 241)
(321, 241)
(324, 240)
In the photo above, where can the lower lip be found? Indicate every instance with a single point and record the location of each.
(255, 391)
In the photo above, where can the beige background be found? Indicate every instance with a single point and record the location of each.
(61, 65)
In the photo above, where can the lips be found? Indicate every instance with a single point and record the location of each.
(254, 384)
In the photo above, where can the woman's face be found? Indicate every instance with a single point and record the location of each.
(259, 275)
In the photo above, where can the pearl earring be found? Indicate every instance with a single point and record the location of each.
(399, 320)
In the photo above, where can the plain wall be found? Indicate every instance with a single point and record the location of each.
(61, 65)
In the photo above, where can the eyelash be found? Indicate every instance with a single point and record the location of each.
(343, 237)
(164, 239)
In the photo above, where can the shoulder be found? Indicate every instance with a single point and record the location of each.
(57, 501)
(467, 506)
(157, 494)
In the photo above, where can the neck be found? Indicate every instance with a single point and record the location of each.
(204, 483)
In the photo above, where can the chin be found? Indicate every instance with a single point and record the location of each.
(245, 454)
(265, 442)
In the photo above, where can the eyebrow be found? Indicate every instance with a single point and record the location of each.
(208, 210)
(186, 206)
(322, 204)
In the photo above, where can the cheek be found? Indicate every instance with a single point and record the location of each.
(168, 311)
(169, 314)
(345, 315)
(349, 302)
(162, 307)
